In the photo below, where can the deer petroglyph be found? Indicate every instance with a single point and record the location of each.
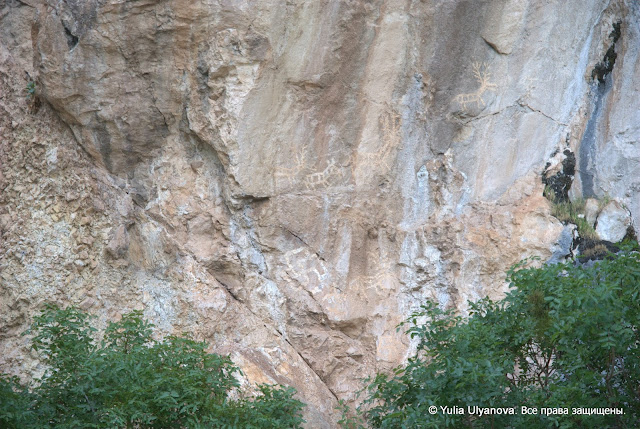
(290, 174)
(323, 177)
(483, 77)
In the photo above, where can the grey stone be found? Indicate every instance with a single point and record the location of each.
(562, 248)
(613, 222)
(591, 210)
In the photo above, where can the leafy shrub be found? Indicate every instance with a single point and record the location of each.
(130, 380)
(566, 336)
(31, 95)
(30, 89)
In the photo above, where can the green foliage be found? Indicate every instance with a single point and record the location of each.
(15, 403)
(566, 336)
(349, 419)
(130, 380)
(585, 230)
(30, 89)
(573, 212)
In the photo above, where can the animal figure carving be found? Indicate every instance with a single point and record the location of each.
(301, 268)
(482, 74)
(289, 174)
(322, 178)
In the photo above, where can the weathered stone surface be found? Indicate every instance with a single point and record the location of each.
(591, 210)
(613, 222)
(562, 247)
(504, 24)
(610, 159)
(119, 243)
(289, 180)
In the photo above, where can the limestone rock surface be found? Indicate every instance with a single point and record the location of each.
(591, 210)
(289, 180)
(613, 222)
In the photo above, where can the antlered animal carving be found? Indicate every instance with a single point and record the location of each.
(482, 74)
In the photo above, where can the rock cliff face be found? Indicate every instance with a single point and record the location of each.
(288, 180)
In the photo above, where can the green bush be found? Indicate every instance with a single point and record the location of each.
(30, 90)
(130, 380)
(565, 337)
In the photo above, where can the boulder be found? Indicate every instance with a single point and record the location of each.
(591, 209)
(613, 222)
(562, 247)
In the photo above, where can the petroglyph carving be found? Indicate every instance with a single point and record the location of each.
(305, 269)
(322, 178)
(290, 174)
(483, 76)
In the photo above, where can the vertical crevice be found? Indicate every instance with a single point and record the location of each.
(72, 39)
(602, 79)
(588, 143)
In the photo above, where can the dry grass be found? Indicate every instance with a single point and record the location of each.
(585, 230)
(596, 251)
(573, 212)
(603, 202)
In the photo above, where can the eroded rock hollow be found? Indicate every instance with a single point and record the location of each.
(289, 180)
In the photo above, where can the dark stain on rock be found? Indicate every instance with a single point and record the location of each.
(604, 67)
(603, 82)
(595, 250)
(561, 182)
(103, 140)
(77, 17)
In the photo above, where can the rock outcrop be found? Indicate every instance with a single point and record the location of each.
(613, 222)
(289, 180)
